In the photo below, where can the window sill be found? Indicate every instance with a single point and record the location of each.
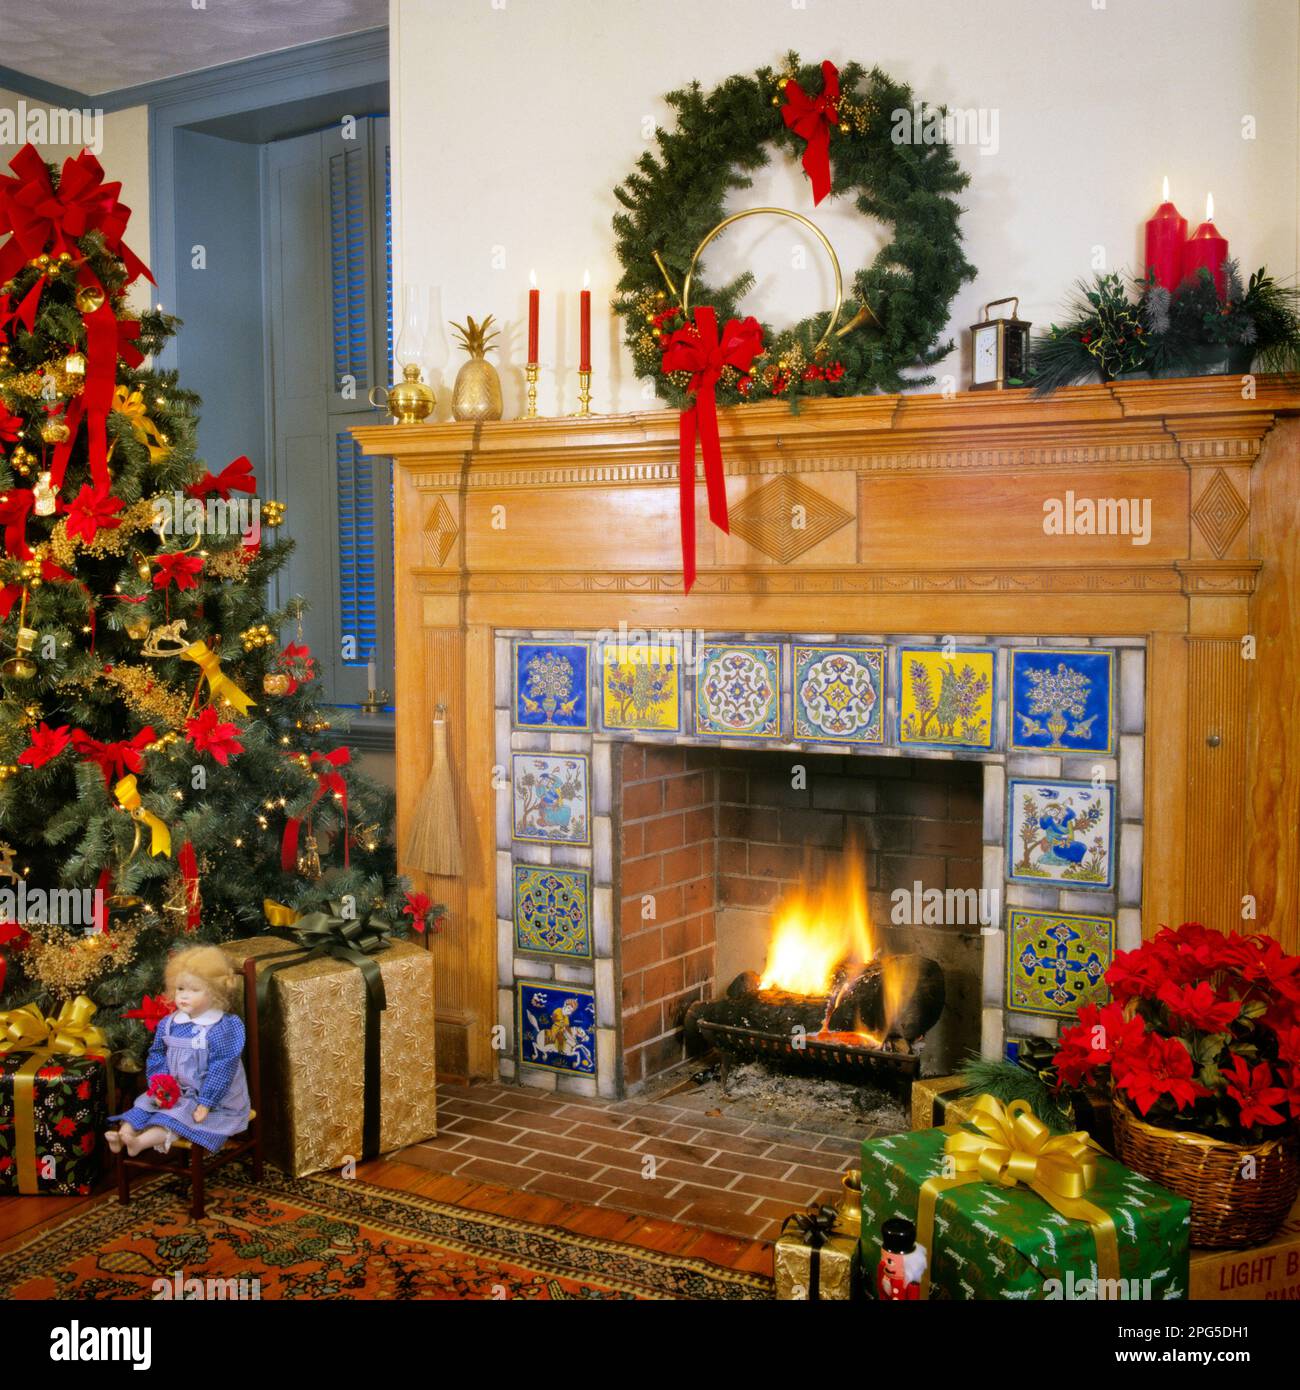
(369, 733)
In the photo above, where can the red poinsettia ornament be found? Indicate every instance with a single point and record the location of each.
(209, 735)
(92, 510)
(46, 745)
(153, 1009)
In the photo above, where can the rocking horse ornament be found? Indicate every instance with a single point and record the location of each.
(838, 122)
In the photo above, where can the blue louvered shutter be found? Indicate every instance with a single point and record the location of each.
(358, 602)
(349, 192)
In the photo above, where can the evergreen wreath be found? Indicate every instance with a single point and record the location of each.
(675, 197)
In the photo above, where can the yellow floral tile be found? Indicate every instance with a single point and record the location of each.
(946, 697)
(641, 687)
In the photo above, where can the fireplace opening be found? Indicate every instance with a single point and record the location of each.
(770, 895)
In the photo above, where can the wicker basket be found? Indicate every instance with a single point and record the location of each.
(1227, 1209)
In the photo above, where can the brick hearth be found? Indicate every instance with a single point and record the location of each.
(731, 1175)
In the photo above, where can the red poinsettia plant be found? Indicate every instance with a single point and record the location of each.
(1202, 1033)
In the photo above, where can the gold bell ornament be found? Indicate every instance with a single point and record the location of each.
(90, 298)
(309, 858)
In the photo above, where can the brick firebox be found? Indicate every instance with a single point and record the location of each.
(711, 838)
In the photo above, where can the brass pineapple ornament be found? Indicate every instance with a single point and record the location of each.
(477, 392)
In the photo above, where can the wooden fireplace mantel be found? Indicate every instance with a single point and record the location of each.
(922, 514)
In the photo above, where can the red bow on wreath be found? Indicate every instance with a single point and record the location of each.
(811, 118)
(234, 476)
(701, 352)
(328, 779)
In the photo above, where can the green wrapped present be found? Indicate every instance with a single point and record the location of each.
(1007, 1210)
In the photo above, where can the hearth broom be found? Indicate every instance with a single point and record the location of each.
(434, 842)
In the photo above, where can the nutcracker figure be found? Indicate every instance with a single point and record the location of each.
(902, 1261)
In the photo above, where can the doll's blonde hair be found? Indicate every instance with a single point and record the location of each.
(209, 964)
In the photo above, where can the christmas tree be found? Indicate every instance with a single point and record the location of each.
(162, 754)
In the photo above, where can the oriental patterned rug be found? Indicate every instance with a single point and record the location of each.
(325, 1237)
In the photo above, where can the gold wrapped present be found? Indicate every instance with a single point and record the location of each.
(934, 1101)
(313, 1028)
(814, 1257)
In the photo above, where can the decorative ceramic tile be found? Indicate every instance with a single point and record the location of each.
(1061, 832)
(550, 798)
(1061, 701)
(551, 685)
(946, 698)
(556, 1026)
(553, 910)
(738, 690)
(839, 694)
(1056, 960)
(641, 687)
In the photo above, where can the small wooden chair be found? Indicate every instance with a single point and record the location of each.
(198, 1162)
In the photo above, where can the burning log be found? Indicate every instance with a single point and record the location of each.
(892, 997)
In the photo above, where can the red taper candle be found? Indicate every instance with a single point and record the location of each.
(1206, 247)
(534, 309)
(1166, 234)
(584, 363)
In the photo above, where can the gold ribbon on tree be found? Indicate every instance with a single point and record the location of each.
(220, 686)
(128, 796)
(132, 405)
(1013, 1146)
(70, 1033)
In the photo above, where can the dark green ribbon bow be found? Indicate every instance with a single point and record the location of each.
(816, 1226)
(357, 941)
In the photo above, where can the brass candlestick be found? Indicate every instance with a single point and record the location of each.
(530, 375)
(584, 393)
(374, 702)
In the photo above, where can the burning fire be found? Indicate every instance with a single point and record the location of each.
(814, 933)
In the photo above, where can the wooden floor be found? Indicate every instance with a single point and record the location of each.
(23, 1217)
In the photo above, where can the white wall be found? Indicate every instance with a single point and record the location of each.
(124, 138)
(514, 119)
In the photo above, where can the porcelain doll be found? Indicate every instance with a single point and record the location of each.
(902, 1262)
(197, 1086)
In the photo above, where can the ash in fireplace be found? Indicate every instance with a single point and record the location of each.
(794, 1101)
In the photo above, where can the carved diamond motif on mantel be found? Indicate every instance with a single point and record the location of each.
(785, 518)
(440, 530)
(1220, 513)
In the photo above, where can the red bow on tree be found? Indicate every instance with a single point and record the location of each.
(297, 662)
(42, 220)
(328, 780)
(115, 760)
(701, 352)
(234, 476)
(179, 569)
(189, 867)
(153, 1009)
(811, 118)
(15, 508)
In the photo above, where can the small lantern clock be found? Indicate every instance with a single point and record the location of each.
(999, 349)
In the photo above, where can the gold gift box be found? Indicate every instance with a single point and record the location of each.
(794, 1267)
(926, 1091)
(313, 1061)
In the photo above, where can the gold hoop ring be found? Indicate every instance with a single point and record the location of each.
(779, 212)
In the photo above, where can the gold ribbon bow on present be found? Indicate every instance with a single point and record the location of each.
(129, 797)
(279, 914)
(131, 404)
(220, 686)
(70, 1033)
(1012, 1146)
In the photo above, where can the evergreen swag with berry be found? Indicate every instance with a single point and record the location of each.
(176, 783)
(1202, 1034)
(1122, 327)
(845, 118)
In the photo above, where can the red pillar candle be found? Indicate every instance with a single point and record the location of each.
(1166, 233)
(584, 363)
(534, 308)
(1206, 247)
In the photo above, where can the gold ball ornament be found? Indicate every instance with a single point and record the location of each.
(845, 127)
(276, 683)
(136, 627)
(272, 513)
(55, 430)
(90, 298)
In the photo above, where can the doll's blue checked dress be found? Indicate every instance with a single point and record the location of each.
(204, 1055)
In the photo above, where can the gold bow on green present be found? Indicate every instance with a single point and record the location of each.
(1012, 1146)
(70, 1033)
